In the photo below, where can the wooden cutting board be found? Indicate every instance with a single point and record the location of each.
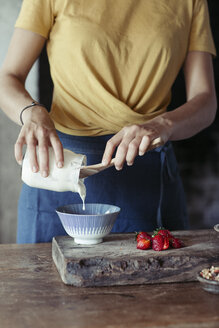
(117, 261)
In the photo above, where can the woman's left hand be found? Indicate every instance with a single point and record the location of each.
(183, 122)
(134, 140)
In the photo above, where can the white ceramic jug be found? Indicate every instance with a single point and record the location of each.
(59, 179)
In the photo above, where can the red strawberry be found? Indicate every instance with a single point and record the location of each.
(166, 243)
(162, 231)
(176, 243)
(158, 243)
(143, 243)
(143, 234)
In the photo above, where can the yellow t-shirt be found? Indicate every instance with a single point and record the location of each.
(113, 62)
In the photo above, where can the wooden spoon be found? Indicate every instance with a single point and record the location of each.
(89, 170)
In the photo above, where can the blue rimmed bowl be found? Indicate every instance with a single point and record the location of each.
(88, 226)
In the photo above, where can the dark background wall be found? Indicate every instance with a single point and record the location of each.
(198, 156)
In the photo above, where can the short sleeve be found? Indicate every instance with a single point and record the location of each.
(201, 36)
(36, 16)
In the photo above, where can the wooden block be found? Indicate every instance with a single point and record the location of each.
(117, 261)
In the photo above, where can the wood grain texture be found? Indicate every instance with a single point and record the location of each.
(117, 261)
(33, 295)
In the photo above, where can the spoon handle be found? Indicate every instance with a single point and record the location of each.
(96, 168)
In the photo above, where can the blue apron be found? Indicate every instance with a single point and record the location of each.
(149, 193)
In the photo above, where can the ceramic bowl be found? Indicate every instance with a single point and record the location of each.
(216, 227)
(211, 286)
(88, 226)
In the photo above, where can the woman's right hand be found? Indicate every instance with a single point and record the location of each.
(38, 130)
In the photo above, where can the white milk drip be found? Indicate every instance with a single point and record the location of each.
(59, 179)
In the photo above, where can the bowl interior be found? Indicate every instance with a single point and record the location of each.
(90, 209)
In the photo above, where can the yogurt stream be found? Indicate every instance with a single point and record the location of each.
(59, 179)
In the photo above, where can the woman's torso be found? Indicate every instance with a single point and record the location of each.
(113, 63)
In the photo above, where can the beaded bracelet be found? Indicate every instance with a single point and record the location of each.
(34, 103)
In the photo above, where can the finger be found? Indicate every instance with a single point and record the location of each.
(121, 152)
(133, 150)
(31, 147)
(145, 142)
(43, 159)
(18, 149)
(111, 145)
(58, 149)
(43, 151)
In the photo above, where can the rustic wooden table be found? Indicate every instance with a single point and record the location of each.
(33, 295)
